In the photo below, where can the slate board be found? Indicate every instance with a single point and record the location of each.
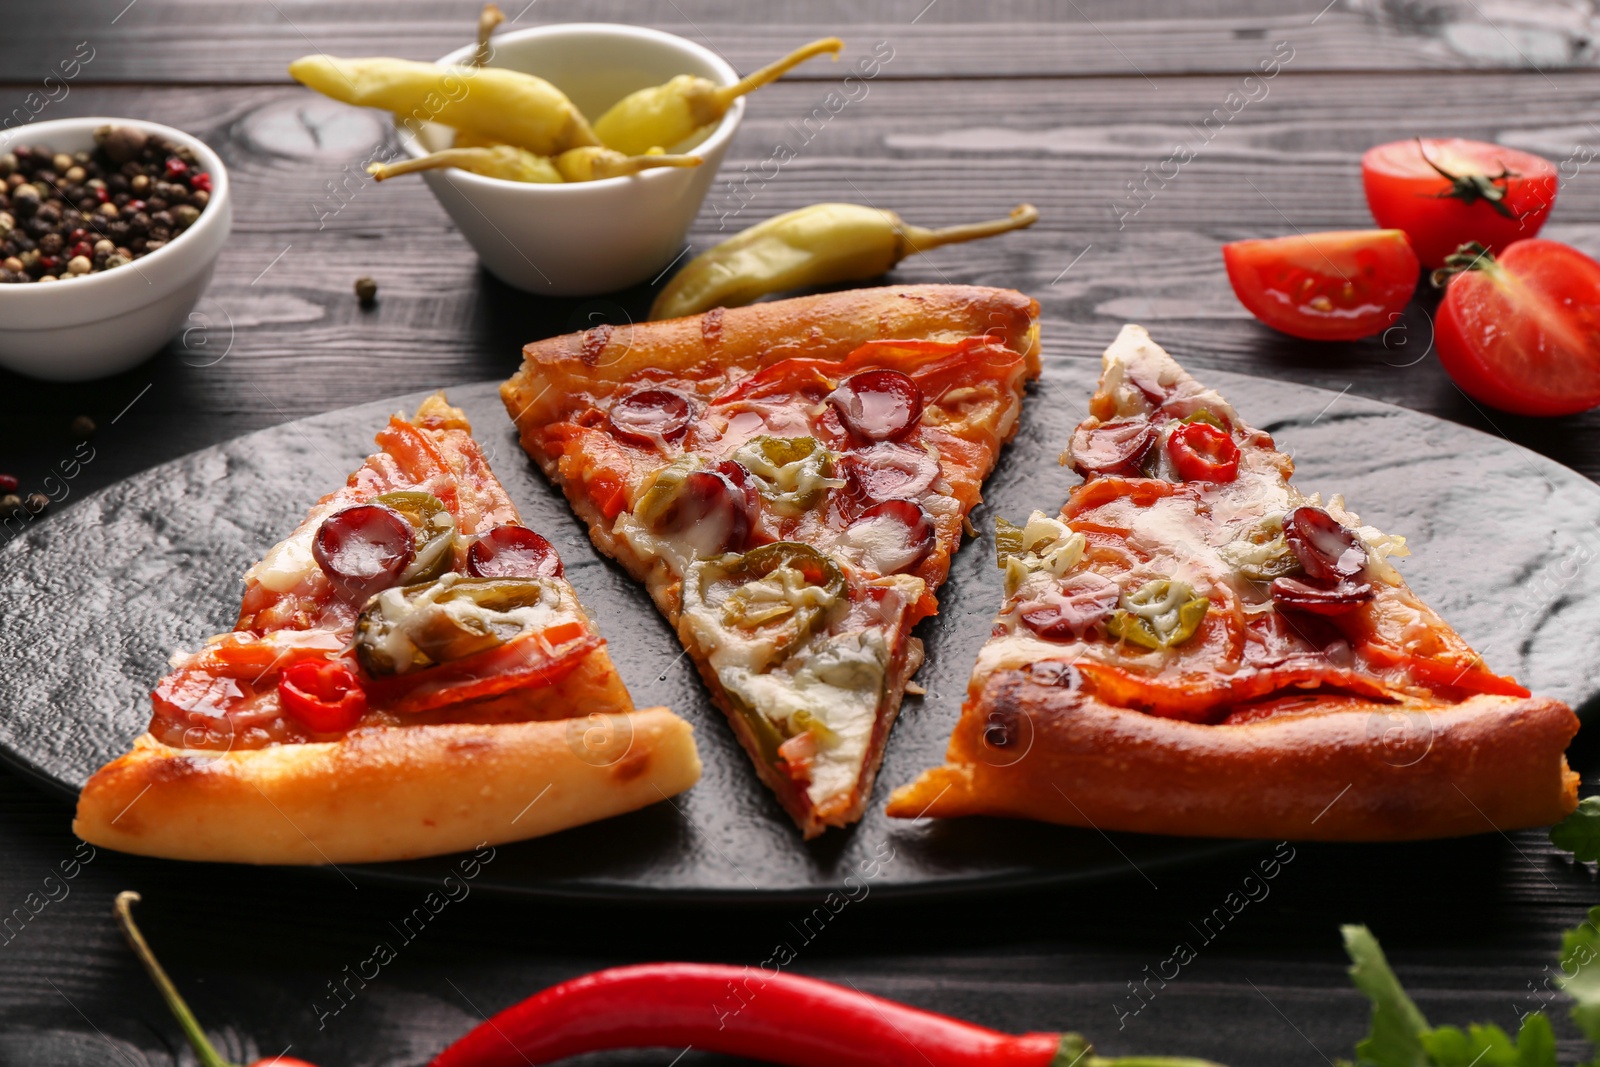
(98, 596)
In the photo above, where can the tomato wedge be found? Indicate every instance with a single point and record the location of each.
(1444, 192)
(1335, 286)
(1522, 332)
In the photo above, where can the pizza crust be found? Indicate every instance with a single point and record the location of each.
(1488, 763)
(387, 793)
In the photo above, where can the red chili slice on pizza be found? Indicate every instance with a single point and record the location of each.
(1194, 647)
(789, 481)
(405, 679)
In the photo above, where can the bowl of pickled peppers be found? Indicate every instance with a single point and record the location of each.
(573, 157)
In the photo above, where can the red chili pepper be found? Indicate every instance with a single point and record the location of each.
(322, 694)
(1203, 453)
(203, 1050)
(784, 1018)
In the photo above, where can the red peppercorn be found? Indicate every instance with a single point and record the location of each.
(8, 483)
(77, 235)
(84, 249)
(200, 181)
(102, 194)
(133, 207)
(176, 168)
(49, 263)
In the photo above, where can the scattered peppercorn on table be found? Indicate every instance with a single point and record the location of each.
(336, 290)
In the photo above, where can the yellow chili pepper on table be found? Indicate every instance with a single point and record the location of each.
(668, 113)
(816, 245)
(585, 164)
(506, 106)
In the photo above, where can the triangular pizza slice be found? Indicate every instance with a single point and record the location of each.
(1194, 647)
(789, 480)
(404, 680)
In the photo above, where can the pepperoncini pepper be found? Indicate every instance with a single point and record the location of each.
(585, 164)
(506, 106)
(666, 114)
(812, 246)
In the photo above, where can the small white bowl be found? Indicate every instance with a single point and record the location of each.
(594, 237)
(99, 324)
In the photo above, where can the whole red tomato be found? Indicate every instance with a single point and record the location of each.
(1335, 286)
(1522, 332)
(1444, 192)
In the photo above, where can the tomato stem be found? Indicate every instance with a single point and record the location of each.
(1470, 256)
(1471, 188)
(203, 1048)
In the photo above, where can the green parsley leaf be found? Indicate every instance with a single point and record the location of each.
(1580, 973)
(1579, 833)
(1398, 1027)
(1536, 1042)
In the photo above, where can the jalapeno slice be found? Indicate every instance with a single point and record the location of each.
(435, 528)
(419, 626)
(785, 585)
(1159, 615)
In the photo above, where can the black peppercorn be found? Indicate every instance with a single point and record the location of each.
(82, 427)
(366, 291)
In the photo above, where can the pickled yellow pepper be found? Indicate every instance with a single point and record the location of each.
(812, 246)
(666, 114)
(585, 164)
(506, 106)
(488, 19)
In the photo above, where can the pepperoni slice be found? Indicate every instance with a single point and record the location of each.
(1339, 599)
(1118, 447)
(877, 405)
(1076, 604)
(895, 535)
(715, 509)
(513, 552)
(1327, 550)
(651, 416)
(364, 549)
(887, 470)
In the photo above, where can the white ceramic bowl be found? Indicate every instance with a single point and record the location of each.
(103, 323)
(586, 237)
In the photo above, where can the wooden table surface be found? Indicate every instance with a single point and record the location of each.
(982, 105)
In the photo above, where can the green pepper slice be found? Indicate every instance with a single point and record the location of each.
(792, 473)
(654, 505)
(1204, 415)
(435, 537)
(1135, 628)
(1007, 541)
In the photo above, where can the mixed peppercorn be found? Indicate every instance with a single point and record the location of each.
(64, 215)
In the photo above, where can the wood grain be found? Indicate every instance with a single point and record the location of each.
(194, 41)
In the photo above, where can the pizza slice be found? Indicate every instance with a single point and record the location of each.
(1193, 647)
(402, 682)
(789, 481)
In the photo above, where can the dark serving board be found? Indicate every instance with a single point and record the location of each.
(97, 597)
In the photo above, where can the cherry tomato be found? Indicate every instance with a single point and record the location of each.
(364, 549)
(1444, 192)
(1203, 453)
(323, 695)
(877, 404)
(1336, 286)
(513, 552)
(1522, 332)
(651, 415)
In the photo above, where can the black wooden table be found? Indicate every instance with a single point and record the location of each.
(984, 103)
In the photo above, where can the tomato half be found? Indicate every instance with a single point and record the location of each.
(1335, 286)
(1445, 192)
(1522, 332)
